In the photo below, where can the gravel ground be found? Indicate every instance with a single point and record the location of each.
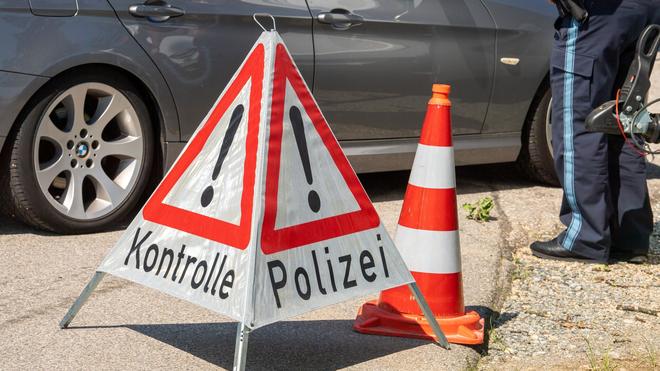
(562, 315)
(565, 316)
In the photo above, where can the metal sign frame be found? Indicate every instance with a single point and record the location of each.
(243, 331)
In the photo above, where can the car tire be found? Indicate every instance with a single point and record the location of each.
(536, 158)
(106, 160)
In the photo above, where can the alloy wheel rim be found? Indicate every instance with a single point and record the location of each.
(88, 151)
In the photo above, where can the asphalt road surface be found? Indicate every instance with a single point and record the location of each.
(125, 325)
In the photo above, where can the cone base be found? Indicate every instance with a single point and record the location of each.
(374, 320)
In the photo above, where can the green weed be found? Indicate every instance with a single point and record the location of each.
(480, 210)
(603, 362)
(471, 364)
(651, 353)
(601, 268)
(495, 339)
(520, 271)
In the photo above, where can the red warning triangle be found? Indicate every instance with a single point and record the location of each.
(274, 239)
(236, 235)
(261, 192)
(333, 221)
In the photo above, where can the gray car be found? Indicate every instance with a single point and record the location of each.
(98, 97)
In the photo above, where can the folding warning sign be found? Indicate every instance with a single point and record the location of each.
(261, 217)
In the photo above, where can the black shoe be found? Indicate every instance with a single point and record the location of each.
(554, 250)
(628, 257)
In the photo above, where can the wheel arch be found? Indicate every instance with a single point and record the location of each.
(156, 113)
(543, 86)
(535, 159)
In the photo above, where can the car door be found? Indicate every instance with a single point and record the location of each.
(377, 59)
(199, 44)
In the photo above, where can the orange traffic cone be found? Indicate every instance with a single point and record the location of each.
(427, 237)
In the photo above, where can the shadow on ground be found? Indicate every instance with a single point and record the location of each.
(329, 344)
(9, 225)
(493, 321)
(652, 171)
(391, 186)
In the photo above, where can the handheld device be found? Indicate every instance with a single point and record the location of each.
(628, 114)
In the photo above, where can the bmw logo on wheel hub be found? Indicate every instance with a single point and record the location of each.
(82, 149)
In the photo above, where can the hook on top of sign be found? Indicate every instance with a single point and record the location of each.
(255, 15)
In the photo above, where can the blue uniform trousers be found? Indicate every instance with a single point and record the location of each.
(606, 205)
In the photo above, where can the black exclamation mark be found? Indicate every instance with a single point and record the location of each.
(299, 132)
(236, 116)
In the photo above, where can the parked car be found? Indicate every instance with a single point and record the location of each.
(97, 97)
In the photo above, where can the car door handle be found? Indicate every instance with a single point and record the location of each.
(340, 19)
(155, 13)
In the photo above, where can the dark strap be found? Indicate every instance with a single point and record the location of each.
(575, 8)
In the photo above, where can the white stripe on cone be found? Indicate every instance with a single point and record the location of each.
(433, 167)
(429, 251)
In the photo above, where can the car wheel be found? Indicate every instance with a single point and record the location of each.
(536, 157)
(81, 157)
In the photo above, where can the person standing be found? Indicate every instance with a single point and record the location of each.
(605, 205)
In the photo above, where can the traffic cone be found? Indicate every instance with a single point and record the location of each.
(427, 237)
